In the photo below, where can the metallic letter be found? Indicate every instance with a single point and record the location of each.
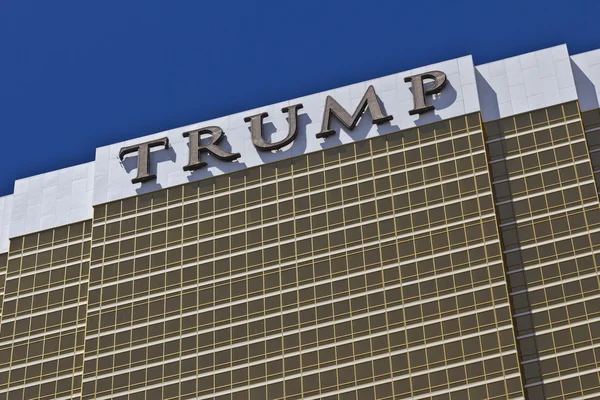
(212, 148)
(143, 164)
(419, 91)
(350, 121)
(257, 129)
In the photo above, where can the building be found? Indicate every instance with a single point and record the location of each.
(433, 234)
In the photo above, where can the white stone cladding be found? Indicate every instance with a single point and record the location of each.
(6, 203)
(525, 83)
(52, 199)
(586, 70)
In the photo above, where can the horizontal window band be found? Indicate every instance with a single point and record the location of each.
(152, 295)
(36, 314)
(302, 174)
(33, 312)
(293, 262)
(344, 250)
(562, 353)
(560, 328)
(564, 377)
(556, 261)
(534, 151)
(422, 396)
(42, 335)
(47, 269)
(558, 305)
(53, 379)
(541, 171)
(299, 353)
(551, 213)
(322, 233)
(295, 239)
(293, 217)
(300, 287)
(278, 335)
(556, 165)
(291, 332)
(383, 289)
(41, 361)
(314, 348)
(536, 194)
(553, 240)
(556, 283)
(539, 129)
(331, 230)
(310, 306)
(57, 246)
(278, 266)
(47, 290)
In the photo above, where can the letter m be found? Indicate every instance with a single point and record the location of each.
(332, 107)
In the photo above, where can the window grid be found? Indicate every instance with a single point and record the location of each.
(333, 307)
(42, 329)
(375, 269)
(546, 216)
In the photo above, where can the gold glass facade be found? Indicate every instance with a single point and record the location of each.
(42, 330)
(550, 225)
(455, 260)
(369, 270)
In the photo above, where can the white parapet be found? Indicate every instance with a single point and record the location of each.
(459, 97)
(52, 199)
(6, 204)
(586, 70)
(525, 83)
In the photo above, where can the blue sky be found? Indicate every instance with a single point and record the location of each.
(76, 75)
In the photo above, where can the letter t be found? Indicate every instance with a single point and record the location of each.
(143, 164)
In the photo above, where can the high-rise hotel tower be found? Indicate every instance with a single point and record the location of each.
(433, 234)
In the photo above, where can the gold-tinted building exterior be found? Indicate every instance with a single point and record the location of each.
(42, 331)
(549, 218)
(456, 259)
(372, 269)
